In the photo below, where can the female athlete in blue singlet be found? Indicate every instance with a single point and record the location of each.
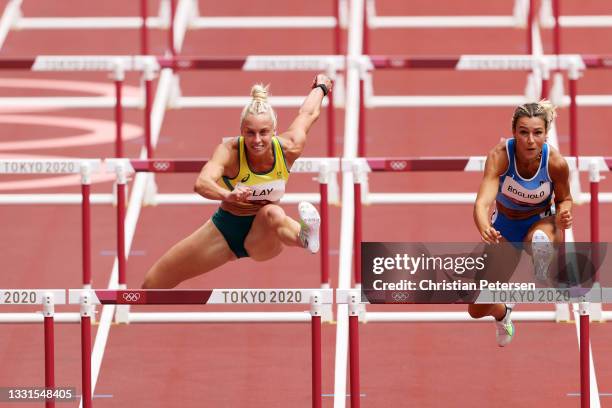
(248, 174)
(523, 176)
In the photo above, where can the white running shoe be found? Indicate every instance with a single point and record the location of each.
(542, 252)
(310, 221)
(505, 328)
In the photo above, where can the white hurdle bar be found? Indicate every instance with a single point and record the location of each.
(316, 298)
(516, 20)
(547, 18)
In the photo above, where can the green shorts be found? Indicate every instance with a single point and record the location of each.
(234, 229)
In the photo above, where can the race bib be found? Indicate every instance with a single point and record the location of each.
(517, 193)
(272, 191)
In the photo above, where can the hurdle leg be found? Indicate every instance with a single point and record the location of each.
(86, 312)
(530, 22)
(171, 29)
(358, 179)
(573, 75)
(48, 312)
(354, 349)
(324, 207)
(149, 75)
(144, 38)
(545, 80)
(361, 143)
(557, 28)
(315, 313)
(86, 223)
(585, 380)
(337, 27)
(119, 77)
(331, 126)
(121, 198)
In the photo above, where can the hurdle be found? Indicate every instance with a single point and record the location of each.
(355, 299)
(523, 15)
(362, 166)
(316, 298)
(13, 18)
(334, 22)
(114, 64)
(550, 17)
(175, 18)
(151, 66)
(330, 64)
(55, 166)
(574, 64)
(325, 168)
(48, 298)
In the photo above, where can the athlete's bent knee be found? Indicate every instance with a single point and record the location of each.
(274, 214)
(478, 311)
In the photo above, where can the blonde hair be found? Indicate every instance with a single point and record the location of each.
(259, 104)
(544, 110)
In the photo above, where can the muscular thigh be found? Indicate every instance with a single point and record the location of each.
(203, 250)
(262, 243)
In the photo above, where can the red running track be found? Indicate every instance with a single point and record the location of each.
(427, 365)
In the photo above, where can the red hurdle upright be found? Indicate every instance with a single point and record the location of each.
(86, 222)
(119, 77)
(48, 312)
(121, 184)
(144, 38)
(86, 314)
(585, 342)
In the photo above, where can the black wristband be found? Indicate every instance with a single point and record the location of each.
(323, 88)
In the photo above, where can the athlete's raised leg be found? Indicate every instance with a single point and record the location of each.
(539, 242)
(546, 225)
(272, 229)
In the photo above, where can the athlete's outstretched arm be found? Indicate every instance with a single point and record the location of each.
(294, 139)
(559, 174)
(206, 184)
(494, 167)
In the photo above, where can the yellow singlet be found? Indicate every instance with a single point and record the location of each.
(267, 187)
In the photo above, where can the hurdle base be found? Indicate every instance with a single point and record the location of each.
(122, 314)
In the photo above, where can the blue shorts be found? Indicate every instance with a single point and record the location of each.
(515, 231)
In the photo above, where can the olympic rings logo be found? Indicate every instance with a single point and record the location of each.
(398, 165)
(161, 165)
(131, 296)
(399, 296)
